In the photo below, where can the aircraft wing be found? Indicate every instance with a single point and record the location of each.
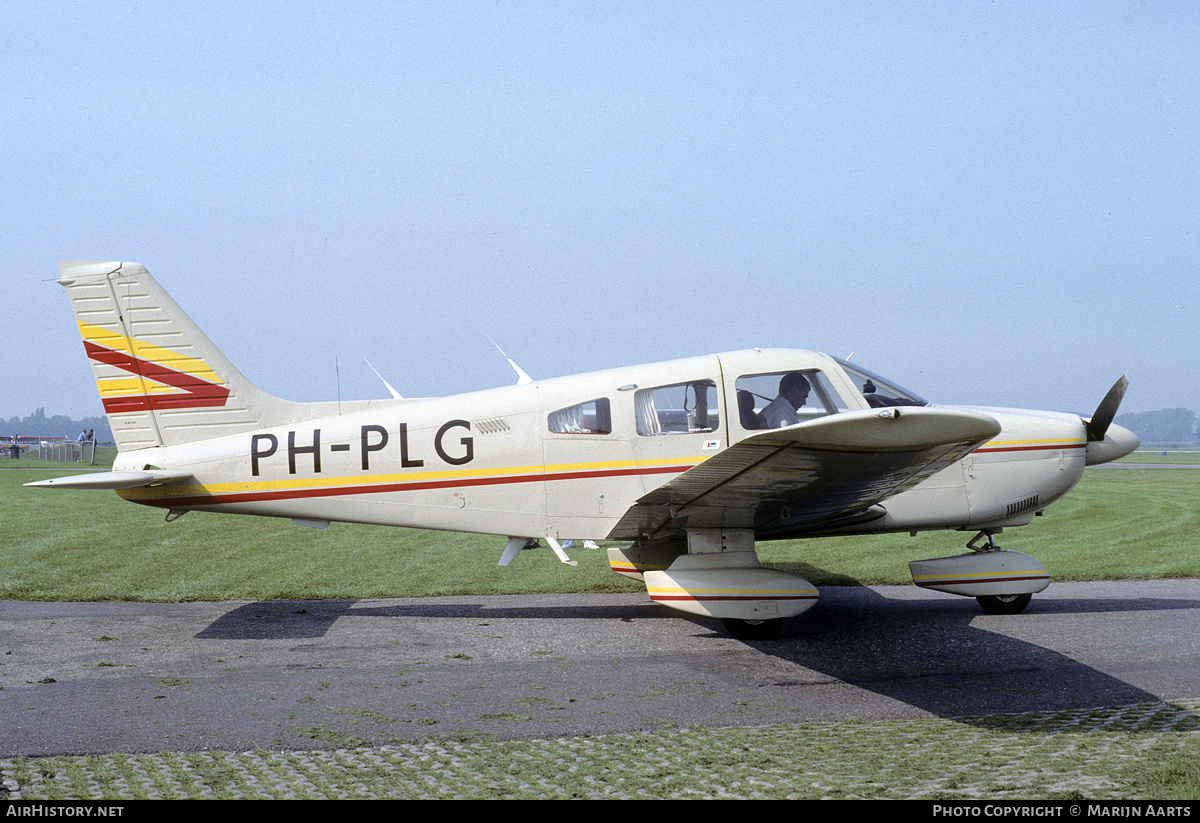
(809, 476)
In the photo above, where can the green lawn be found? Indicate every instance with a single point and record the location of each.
(90, 545)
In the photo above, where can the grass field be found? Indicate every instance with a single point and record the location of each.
(80, 545)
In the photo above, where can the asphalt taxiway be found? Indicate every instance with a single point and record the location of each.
(112, 677)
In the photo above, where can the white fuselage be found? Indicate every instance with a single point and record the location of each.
(501, 461)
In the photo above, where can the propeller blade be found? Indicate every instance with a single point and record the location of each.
(1106, 411)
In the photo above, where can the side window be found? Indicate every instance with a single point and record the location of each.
(768, 401)
(681, 408)
(592, 417)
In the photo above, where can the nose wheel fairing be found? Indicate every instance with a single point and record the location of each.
(999, 572)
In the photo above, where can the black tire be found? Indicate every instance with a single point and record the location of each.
(753, 629)
(1004, 603)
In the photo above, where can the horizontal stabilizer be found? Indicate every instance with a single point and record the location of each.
(114, 480)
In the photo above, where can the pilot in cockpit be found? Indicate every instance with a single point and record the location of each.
(793, 393)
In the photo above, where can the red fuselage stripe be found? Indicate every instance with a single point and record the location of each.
(1030, 448)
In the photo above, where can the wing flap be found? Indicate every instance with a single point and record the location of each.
(805, 477)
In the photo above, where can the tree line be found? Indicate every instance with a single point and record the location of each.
(1177, 426)
(39, 425)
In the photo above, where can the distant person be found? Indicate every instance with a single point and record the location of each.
(793, 393)
(16, 449)
(82, 436)
(587, 544)
(91, 434)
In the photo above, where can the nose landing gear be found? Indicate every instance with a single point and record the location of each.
(1001, 581)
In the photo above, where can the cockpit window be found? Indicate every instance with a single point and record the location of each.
(879, 392)
(592, 417)
(769, 401)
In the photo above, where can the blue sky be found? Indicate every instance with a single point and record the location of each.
(991, 203)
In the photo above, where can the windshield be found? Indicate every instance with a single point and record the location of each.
(880, 392)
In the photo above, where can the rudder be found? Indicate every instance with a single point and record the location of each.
(161, 380)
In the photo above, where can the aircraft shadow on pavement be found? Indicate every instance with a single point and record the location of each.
(297, 619)
(277, 620)
(927, 653)
(933, 653)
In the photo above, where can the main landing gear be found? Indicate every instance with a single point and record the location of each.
(717, 574)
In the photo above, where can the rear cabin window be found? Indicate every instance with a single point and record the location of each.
(592, 417)
(766, 401)
(681, 408)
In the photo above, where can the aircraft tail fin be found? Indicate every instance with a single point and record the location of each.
(161, 380)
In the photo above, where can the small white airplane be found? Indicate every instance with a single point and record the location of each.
(689, 461)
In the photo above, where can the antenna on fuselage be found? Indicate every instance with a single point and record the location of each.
(522, 377)
(395, 394)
